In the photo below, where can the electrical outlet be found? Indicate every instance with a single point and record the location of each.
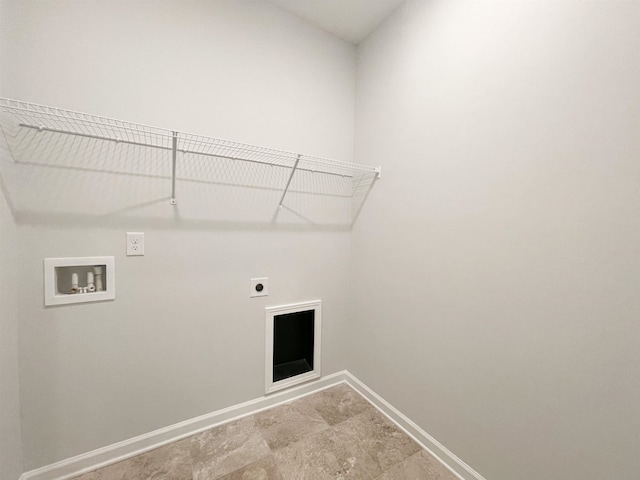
(135, 243)
(259, 287)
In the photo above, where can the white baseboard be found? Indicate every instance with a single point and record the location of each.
(86, 462)
(117, 452)
(435, 448)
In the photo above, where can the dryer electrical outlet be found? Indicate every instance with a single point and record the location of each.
(259, 287)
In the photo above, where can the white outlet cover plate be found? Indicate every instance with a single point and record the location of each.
(254, 283)
(135, 243)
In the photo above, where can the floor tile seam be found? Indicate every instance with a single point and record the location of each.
(364, 414)
(388, 419)
(190, 461)
(333, 427)
(304, 437)
(263, 430)
(369, 474)
(291, 403)
(270, 454)
(395, 465)
(316, 410)
(218, 477)
(352, 417)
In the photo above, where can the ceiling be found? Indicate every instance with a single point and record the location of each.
(351, 20)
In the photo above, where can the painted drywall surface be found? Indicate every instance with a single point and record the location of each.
(497, 265)
(10, 433)
(182, 337)
(241, 71)
(11, 465)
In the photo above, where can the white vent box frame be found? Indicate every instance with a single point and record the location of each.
(79, 280)
(292, 344)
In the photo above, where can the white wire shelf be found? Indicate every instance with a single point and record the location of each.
(191, 157)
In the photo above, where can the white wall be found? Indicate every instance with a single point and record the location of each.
(500, 249)
(182, 338)
(497, 264)
(11, 465)
(10, 433)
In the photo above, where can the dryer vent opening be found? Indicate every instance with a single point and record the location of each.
(293, 345)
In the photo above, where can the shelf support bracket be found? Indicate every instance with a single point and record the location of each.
(295, 165)
(174, 154)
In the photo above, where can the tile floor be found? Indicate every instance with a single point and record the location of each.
(333, 434)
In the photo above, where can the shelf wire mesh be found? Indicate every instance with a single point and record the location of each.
(39, 135)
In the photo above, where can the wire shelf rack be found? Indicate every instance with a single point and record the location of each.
(180, 157)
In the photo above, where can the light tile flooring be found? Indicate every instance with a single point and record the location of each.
(333, 434)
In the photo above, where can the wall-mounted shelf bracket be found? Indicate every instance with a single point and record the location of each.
(174, 154)
(293, 170)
